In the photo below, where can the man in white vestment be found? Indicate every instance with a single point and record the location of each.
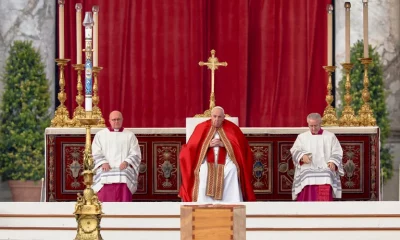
(317, 157)
(216, 163)
(116, 156)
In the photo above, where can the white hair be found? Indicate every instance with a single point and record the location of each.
(218, 107)
(314, 116)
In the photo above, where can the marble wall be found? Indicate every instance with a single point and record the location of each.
(35, 20)
(384, 35)
(29, 20)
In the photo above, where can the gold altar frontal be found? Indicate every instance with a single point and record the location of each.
(213, 222)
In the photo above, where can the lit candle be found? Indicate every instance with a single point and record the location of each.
(61, 29)
(365, 18)
(330, 10)
(95, 10)
(78, 8)
(347, 5)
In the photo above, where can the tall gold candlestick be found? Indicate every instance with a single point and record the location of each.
(366, 114)
(79, 111)
(96, 99)
(61, 116)
(329, 118)
(88, 209)
(348, 119)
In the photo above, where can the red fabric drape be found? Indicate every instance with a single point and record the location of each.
(149, 51)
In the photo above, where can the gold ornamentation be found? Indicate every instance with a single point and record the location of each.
(375, 145)
(329, 118)
(365, 114)
(88, 208)
(51, 167)
(61, 116)
(96, 99)
(212, 64)
(167, 169)
(142, 167)
(260, 167)
(79, 111)
(348, 119)
(207, 113)
(350, 153)
(74, 153)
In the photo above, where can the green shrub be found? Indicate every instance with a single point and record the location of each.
(377, 100)
(24, 114)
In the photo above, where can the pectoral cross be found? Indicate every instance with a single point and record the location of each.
(213, 65)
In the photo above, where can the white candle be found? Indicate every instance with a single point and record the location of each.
(61, 29)
(88, 23)
(88, 103)
(95, 10)
(78, 8)
(330, 9)
(347, 5)
(365, 19)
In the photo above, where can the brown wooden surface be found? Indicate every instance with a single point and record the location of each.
(215, 222)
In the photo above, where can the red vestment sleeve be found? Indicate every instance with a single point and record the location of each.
(244, 158)
(188, 159)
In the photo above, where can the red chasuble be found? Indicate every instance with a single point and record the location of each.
(192, 155)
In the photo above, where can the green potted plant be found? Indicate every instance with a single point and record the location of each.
(24, 115)
(377, 100)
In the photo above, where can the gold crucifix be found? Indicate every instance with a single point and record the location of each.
(213, 65)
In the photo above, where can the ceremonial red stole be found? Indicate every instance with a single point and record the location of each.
(215, 175)
(116, 130)
(320, 131)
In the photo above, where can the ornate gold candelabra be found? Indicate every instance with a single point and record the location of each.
(213, 65)
(88, 210)
(348, 119)
(365, 114)
(329, 118)
(61, 116)
(79, 111)
(96, 110)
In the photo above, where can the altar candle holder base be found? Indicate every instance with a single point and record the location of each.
(366, 115)
(329, 117)
(88, 209)
(348, 118)
(61, 115)
(79, 111)
(96, 99)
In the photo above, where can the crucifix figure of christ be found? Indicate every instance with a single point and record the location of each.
(213, 65)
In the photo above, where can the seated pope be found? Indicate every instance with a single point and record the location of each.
(216, 163)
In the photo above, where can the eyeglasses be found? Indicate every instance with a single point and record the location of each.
(313, 126)
(116, 119)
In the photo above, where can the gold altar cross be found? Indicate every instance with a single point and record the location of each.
(213, 65)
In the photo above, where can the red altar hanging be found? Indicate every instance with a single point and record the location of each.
(159, 178)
